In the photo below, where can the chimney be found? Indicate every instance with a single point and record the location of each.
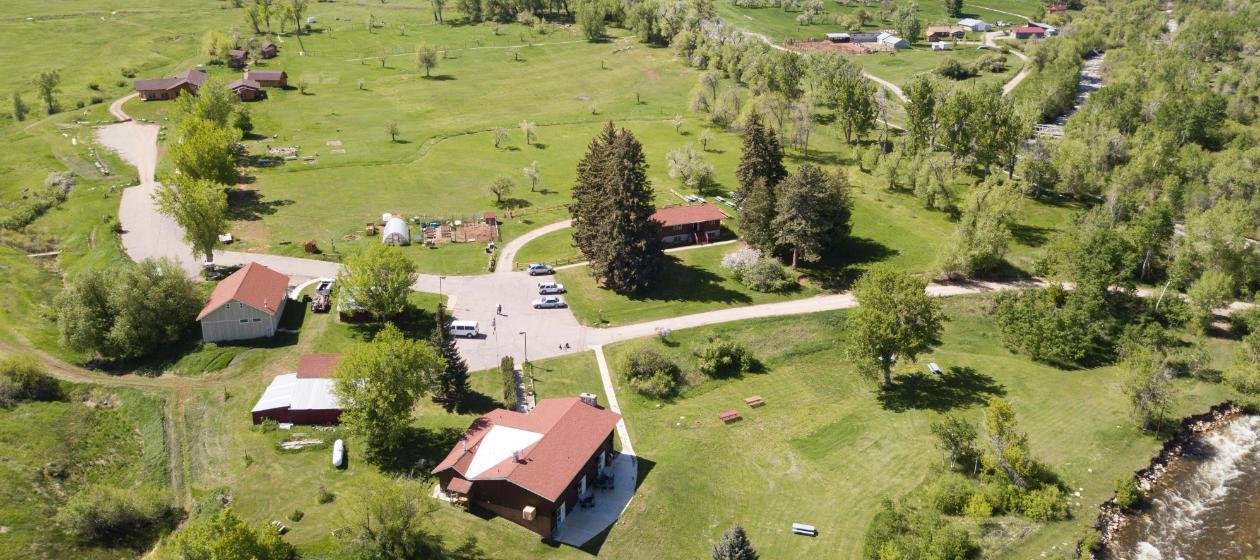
(516, 455)
(589, 398)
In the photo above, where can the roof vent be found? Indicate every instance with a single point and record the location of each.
(516, 455)
(589, 398)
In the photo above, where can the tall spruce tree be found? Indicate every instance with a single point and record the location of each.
(452, 384)
(734, 546)
(588, 191)
(813, 213)
(626, 254)
(759, 173)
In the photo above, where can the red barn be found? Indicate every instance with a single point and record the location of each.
(684, 225)
(531, 468)
(302, 397)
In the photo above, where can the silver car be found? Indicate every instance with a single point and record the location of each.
(535, 269)
(549, 302)
(548, 288)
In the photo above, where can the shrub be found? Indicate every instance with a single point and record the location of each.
(978, 507)
(1090, 542)
(23, 379)
(324, 496)
(950, 494)
(766, 276)
(720, 358)
(1047, 503)
(741, 260)
(650, 373)
(1003, 496)
(106, 514)
(1128, 495)
(953, 69)
(94, 86)
(296, 515)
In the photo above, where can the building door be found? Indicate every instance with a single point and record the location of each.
(582, 486)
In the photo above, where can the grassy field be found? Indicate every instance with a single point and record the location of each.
(53, 450)
(904, 65)
(826, 448)
(781, 25)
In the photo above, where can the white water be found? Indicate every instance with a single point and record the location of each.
(1206, 507)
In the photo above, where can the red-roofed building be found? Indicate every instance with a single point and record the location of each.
(1057, 8)
(684, 225)
(531, 468)
(1028, 32)
(303, 397)
(247, 304)
(169, 88)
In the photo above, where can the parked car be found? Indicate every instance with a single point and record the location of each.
(982, 47)
(546, 288)
(535, 269)
(466, 329)
(549, 302)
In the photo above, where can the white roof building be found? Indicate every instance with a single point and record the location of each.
(893, 41)
(305, 396)
(396, 232)
(973, 24)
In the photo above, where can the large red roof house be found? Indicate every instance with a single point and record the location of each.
(531, 468)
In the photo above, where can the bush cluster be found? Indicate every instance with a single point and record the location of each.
(721, 358)
(105, 514)
(1128, 495)
(954, 494)
(651, 373)
(756, 271)
(21, 379)
(38, 200)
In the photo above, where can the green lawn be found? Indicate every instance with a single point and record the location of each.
(825, 449)
(692, 281)
(553, 248)
(899, 68)
(53, 450)
(781, 25)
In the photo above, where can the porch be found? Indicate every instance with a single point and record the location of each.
(584, 522)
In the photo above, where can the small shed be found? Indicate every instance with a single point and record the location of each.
(839, 37)
(245, 90)
(491, 218)
(236, 58)
(893, 41)
(269, 50)
(864, 37)
(940, 46)
(396, 232)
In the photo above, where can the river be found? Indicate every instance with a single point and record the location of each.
(1207, 506)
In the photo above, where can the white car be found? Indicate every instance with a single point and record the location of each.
(550, 302)
(547, 288)
(535, 269)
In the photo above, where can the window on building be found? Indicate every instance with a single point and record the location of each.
(244, 320)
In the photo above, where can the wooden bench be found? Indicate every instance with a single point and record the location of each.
(754, 401)
(728, 416)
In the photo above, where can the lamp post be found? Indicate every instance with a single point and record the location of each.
(531, 366)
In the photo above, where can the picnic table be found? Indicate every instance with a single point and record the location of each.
(803, 529)
(754, 401)
(728, 416)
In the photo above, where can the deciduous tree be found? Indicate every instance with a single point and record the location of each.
(46, 84)
(197, 205)
(894, 319)
(1009, 451)
(378, 279)
(426, 58)
(378, 384)
(204, 151)
(225, 536)
(500, 187)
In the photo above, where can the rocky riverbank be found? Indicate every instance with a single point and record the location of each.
(1111, 519)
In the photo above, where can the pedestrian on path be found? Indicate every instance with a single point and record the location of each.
(494, 327)
(498, 309)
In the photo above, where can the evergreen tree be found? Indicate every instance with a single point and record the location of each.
(760, 172)
(626, 254)
(452, 384)
(734, 546)
(813, 213)
(588, 191)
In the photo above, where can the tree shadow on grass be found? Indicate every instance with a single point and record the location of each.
(838, 270)
(421, 445)
(957, 387)
(513, 203)
(687, 283)
(440, 78)
(415, 323)
(1032, 236)
(248, 205)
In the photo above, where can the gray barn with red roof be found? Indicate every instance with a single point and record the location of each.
(247, 304)
(684, 225)
(531, 468)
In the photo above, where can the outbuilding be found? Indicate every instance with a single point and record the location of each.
(973, 24)
(396, 232)
(188, 81)
(532, 468)
(248, 304)
(1028, 32)
(839, 37)
(893, 41)
(864, 37)
(304, 396)
(268, 78)
(236, 58)
(268, 50)
(684, 225)
(245, 90)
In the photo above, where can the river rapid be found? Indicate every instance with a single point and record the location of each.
(1207, 506)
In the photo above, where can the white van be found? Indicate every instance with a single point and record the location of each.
(464, 328)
